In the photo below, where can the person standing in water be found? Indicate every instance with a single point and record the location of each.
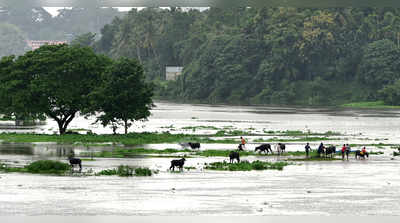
(307, 148)
(242, 142)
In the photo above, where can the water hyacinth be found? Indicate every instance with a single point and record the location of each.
(246, 166)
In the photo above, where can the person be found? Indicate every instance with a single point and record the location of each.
(343, 151)
(242, 142)
(308, 148)
(321, 149)
(363, 151)
(348, 150)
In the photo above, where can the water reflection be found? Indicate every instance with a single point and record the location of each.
(47, 150)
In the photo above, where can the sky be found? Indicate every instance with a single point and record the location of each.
(53, 10)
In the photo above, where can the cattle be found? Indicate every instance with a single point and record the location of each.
(264, 148)
(234, 155)
(194, 145)
(177, 163)
(75, 161)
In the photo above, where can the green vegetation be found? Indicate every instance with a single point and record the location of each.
(39, 167)
(283, 55)
(194, 128)
(129, 139)
(246, 166)
(302, 139)
(189, 168)
(314, 158)
(224, 153)
(126, 171)
(58, 81)
(124, 96)
(143, 171)
(301, 133)
(124, 153)
(372, 104)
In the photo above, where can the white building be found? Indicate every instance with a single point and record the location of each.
(172, 73)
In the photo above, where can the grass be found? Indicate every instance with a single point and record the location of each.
(189, 168)
(194, 128)
(129, 139)
(246, 166)
(314, 158)
(370, 104)
(126, 171)
(125, 153)
(39, 167)
(301, 133)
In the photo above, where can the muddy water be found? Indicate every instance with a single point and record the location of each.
(370, 187)
(354, 187)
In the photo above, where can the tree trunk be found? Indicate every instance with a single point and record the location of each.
(64, 122)
(126, 126)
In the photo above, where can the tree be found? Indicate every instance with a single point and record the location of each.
(54, 81)
(380, 65)
(391, 93)
(124, 96)
(87, 39)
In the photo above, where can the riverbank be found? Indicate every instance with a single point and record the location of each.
(370, 104)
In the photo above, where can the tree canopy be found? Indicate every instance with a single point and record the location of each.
(58, 81)
(262, 55)
(123, 96)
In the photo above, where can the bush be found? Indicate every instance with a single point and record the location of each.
(143, 171)
(246, 166)
(125, 171)
(47, 166)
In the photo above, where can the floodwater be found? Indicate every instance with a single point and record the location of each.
(354, 187)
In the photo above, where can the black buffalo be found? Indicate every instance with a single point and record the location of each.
(331, 150)
(178, 163)
(194, 145)
(358, 154)
(234, 155)
(264, 148)
(281, 148)
(75, 161)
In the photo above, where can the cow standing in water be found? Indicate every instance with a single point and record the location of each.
(75, 161)
(280, 147)
(234, 155)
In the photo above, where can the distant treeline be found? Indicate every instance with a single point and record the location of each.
(264, 55)
(246, 55)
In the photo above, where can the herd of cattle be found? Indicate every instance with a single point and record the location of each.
(234, 155)
(267, 148)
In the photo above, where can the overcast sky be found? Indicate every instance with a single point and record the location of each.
(53, 10)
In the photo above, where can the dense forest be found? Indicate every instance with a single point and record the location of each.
(252, 55)
(264, 56)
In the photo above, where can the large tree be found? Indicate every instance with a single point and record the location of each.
(124, 95)
(54, 81)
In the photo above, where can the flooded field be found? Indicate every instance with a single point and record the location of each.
(354, 187)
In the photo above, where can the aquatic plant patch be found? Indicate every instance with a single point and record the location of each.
(246, 166)
(39, 167)
(126, 171)
(126, 153)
